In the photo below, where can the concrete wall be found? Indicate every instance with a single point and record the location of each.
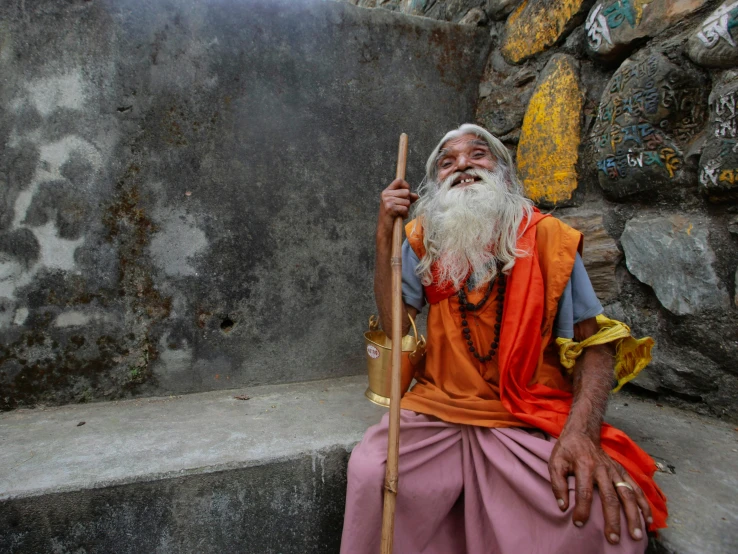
(283, 507)
(188, 189)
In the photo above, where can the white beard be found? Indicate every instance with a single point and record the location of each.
(471, 229)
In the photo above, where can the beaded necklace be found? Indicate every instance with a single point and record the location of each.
(466, 306)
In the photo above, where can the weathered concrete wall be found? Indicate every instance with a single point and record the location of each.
(188, 189)
(276, 508)
(645, 164)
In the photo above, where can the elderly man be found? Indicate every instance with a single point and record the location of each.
(500, 450)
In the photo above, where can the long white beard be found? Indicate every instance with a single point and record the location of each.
(471, 229)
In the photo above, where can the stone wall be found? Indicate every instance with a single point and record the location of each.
(188, 190)
(622, 114)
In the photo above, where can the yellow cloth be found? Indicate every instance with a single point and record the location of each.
(632, 355)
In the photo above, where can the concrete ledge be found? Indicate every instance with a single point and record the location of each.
(197, 473)
(46, 451)
(211, 473)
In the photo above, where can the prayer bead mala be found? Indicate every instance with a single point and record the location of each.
(466, 306)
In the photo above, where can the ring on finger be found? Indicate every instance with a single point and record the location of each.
(624, 484)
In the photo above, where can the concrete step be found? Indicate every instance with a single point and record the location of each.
(699, 457)
(212, 473)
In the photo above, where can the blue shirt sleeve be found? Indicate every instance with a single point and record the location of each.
(412, 288)
(579, 302)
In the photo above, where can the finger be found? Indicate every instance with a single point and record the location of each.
(640, 497)
(397, 193)
(583, 493)
(413, 197)
(399, 184)
(559, 485)
(610, 504)
(398, 207)
(630, 506)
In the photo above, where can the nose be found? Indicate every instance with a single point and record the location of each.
(463, 162)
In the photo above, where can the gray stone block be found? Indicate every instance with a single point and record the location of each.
(672, 255)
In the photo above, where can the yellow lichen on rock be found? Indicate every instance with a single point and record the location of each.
(535, 25)
(549, 139)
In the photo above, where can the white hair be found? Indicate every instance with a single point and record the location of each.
(474, 229)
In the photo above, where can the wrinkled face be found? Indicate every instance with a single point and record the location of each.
(461, 154)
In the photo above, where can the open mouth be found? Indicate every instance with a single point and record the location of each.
(465, 179)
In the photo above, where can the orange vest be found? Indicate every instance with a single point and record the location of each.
(524, 385)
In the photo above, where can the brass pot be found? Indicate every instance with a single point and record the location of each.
(379, 361)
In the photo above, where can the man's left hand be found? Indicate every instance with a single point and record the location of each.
(577, 454)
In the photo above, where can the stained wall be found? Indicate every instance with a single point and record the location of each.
(188, 190)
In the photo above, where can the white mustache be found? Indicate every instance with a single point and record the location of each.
(448, 182)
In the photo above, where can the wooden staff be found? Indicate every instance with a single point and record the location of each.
(393, 442)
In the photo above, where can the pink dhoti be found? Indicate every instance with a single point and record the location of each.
(466, 489)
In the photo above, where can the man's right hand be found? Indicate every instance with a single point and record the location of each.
(396, 202)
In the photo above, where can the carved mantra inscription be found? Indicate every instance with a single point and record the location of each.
(718, 26)
(714, 42)
(613, 25)
(648, 113)
(719, 160)
(607, 17)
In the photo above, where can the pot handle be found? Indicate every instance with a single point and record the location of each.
(419, 342)
(373, 323)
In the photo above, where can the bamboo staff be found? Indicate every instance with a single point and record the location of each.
(393, 441)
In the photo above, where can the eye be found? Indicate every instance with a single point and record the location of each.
(444, 164)
(479, 154)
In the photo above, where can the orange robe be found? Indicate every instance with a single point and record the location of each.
(524, 385)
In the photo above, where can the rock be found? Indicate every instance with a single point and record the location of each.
(576, 43)
(735, 297)
(538, 24)
(413, 7)
(648, 115)
(511, 138)
(474, 17)
(500, 9)
(683, 371)
(500, 113)
(733, 225)
(714, 43)
(550, 136)
(601, 254)
(673, 256)
(504, 91)
(615, 311)
(719, 159)
(448, 10)
(613, 26)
